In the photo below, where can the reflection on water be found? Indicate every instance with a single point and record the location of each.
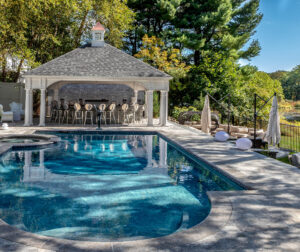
(101, 187)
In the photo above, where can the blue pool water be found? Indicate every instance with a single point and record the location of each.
(106, 187)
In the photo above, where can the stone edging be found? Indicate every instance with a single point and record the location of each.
(218, 217)
(45, 140)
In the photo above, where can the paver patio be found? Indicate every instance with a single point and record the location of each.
(266, 218)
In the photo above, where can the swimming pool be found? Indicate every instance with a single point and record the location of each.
(104, 187)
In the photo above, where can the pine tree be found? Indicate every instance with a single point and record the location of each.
(153, 17)
(218, 26)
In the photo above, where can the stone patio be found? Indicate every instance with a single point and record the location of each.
(266, 218)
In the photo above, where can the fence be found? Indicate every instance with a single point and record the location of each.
(290, 134)
(290, 137)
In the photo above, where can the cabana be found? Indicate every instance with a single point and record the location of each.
(96, 63)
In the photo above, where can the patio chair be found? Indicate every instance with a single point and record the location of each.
(102, 108)
(111, 112)
(132, 113)
(65, 113)
(54, 110)
(88, 112)
(59, 116)
(140, 113)
(6, 116)
(78, 113)
(17, 110)
(124, 110)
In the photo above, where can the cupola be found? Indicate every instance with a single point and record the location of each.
(98, 31)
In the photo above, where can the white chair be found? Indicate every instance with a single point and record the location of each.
(102, 108)
(132, 113)
(124, 110)
(6, 116)
(17, 110)
(78, 113)
(88, 111)
(111, 112)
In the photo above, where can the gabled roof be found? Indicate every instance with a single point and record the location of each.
(106, 61)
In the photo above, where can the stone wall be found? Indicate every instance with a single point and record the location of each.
(11, 92)
(112, 92)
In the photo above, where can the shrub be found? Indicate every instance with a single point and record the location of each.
(196, 117)
(177, 110)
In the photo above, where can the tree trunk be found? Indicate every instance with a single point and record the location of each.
(80, 30)
(197, 57)
(3, 77)
(19, 70)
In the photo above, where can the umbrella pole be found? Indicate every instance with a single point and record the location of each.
(228, 129)
(255, 118)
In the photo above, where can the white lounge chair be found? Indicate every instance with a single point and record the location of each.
(6, 116)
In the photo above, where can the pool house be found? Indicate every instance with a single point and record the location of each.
(96, 76)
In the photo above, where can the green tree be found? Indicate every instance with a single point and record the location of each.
(278, 75)
(218, 26)
(153, 17)
(291, 84)
(37, 31)
(169, 60)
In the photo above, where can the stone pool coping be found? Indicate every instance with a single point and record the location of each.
(46, 140)
(218, 217)
(238, 219)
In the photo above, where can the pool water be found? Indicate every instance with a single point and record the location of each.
(106, 187)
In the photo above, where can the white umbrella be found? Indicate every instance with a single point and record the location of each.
(273, 132)
(206, 116)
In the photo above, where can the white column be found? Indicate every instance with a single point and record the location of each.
(145, 102)
(149, 150)
(163, 107)
(42, 107)
(27, 107)
(163, 148)
(149, 95)
(135, 97)
(27, 166)
(30, 107)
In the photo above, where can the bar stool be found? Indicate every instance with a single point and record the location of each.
(88, 111)
(102, 108)
(78, 113)
(54, 110)
(111, 112)
(65, 112)
(135, 110)
(132, 113)
(124, 110)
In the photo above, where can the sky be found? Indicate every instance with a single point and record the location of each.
(279, 36)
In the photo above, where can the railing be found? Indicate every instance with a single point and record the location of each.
(290, 134)
(290, 137)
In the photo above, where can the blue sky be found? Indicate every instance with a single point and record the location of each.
(279, 35)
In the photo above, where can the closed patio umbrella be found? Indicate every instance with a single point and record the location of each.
(273, 132)
(206, 116)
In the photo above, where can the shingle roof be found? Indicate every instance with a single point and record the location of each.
(106, 61)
